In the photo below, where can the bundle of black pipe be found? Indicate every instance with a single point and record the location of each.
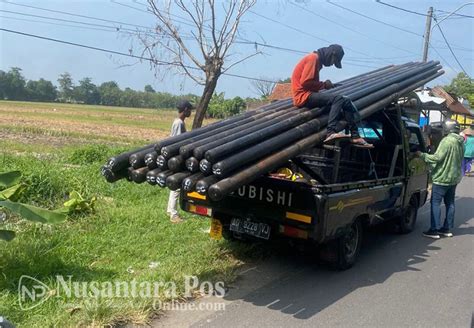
(121, 162)
(220, 189)
(235, 151)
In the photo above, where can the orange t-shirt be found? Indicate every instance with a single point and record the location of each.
(305, 79)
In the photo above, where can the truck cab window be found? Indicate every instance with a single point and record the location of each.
(415, 140)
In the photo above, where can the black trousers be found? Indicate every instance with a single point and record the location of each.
(341, 108)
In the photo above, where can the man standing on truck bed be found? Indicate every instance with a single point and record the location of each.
(305, 85)
(446, 174)
(178, 127)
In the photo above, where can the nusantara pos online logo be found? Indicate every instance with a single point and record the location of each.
(33, 292)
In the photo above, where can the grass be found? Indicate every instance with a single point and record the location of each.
(127, 233)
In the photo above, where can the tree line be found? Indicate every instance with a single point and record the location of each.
(14, 86)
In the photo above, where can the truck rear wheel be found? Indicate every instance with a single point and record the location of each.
(342, 253)
(407, 220)
(348, 246)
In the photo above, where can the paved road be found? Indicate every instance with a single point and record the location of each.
(399, 280)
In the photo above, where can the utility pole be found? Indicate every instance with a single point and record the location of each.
(427, 34)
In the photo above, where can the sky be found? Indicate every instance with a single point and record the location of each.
(299, 25)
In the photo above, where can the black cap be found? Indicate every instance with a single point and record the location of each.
(338, 53)
(183, 105)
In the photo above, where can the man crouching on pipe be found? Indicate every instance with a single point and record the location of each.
(305, 85)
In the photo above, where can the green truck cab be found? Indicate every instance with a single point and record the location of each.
(332, 193)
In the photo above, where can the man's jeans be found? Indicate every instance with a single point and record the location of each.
(439, 193)
(341, 108)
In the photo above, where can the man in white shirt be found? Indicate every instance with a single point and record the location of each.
(178, 127)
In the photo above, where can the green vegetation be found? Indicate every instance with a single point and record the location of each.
(114, 232)
(14, 86)
(128, 237)
(10, 191)
(462, 86)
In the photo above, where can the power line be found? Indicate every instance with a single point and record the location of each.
(373, 19)
(58, 24)
(157, 62)
(416, 13)
(76, 15)
(350, 29)
(449, 46)
(92, 26)
(69, 21)
(402, 9)
(304, 32)
(442, 58)
(455, 14)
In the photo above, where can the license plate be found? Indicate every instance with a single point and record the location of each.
(216, 229)
(249, 227)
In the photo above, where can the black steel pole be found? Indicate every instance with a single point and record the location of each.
(190, 182)
(151, 176)
(162, 176)
(173, 182)
(192, 164)
(139, 175)
(203, 185)
(205, 166)
(162, 162)
(176, 163)
(150, 160)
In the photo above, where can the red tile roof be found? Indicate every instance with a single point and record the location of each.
(281, 91)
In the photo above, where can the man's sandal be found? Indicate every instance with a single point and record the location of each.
(361, 144)
(332, 138)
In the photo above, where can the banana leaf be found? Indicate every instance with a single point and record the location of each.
(33, 213)
(7, 235)
(8, 179)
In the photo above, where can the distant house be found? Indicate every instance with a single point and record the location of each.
(281, 91)
(437, 105)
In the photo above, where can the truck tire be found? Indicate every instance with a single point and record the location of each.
(348, 246)
(342, 253)
(407, 220)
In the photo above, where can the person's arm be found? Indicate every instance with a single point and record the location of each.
(438, 155)
(308, 76)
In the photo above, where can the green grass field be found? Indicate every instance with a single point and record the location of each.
(60, 148)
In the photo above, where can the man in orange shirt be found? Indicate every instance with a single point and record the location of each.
(305, 85)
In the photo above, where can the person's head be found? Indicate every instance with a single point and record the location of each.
(184, 109)
(331, 55)
(451, 126)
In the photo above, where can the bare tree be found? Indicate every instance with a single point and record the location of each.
(194, 37)
(263, 87)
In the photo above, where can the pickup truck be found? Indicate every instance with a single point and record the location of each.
(332, 193)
